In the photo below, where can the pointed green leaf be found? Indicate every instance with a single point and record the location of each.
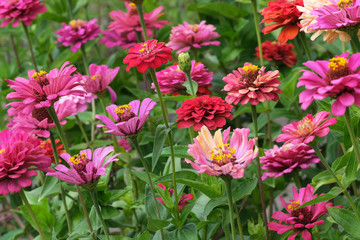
(334, 192)
(160, 137)
(347, 220)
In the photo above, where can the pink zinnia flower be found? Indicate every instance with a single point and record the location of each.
(299, 220)
(286, 159)
(129, 118)
(125, 144)
(20, 156)
(305, 130)
(337, 78)
(251, 84)
(79, 102)
(183, 201)
(172, 78)
(147, 54)
(78, 32)
(187, 36)
(85, 167)
(101, 77)
(42, 89)
(122, 39)
(20, 10)
(216, 156)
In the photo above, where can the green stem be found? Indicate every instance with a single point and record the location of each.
(188, 76)
(239, 222)
(84, 59)
(354, 42)
(70, 9)
(93, 109)
(354, 140)
(98, 211)
(303, 40)
(296, 178)
(81, 126)
(31, 212)
(83, 206)
(30, 46)
(13, 44)
(205, 229)
(257, 29)
(196, 54)
(227, 180)
(142, 22)
(55, 118)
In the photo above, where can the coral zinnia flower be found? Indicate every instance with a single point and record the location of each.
(215, 156)
(299, 220)
(42, 89)
(46, 145)
(286, 159)
(20, 156)
(249, 84)
(147, 54)
(129, 118)
(78, 32)
(85, 167)
(305, 130)
(20, 10)
(278, 52)
(282, 13)
(338, 78)
(203, 111)
(183, 201)
(187, 36)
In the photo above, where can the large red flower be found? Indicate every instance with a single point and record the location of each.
(278, 52)
(209, 111)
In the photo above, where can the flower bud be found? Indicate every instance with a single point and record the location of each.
(184, 62)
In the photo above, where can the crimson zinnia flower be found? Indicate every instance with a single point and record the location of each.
(147, 54)
(278, 52)
(203, 111)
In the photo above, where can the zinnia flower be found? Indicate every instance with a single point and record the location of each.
(78, 32)
(20, 10)
(46, 145)
(172, 78)
(305, 130)
(147, 54)
(215, 156)
(85, 167)
(183, 201)
(286, 159)
(187, 36)
(337, 78)
(129, 118)
(122, 39)
(20, 156)
(299, 220)
(249, 84)
(282, 13)
(278, 52)
(125, 144)
(211, 112)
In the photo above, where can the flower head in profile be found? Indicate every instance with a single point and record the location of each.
(46, 145)
(77, 32)
(183, 201)
(251, 84)
(278, 52)
(20, 10)
(20, 156)
(337, 78)
(307, 129)
(186, 36)
(287, 159)
(299, 220)
(129, 118)
(216, 156)
(282, 13)
(147, 54)
(85, 167)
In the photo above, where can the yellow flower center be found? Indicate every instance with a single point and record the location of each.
(121, 109)
(345, 3)
(40, 77)
(38, 74)
(305, 126)
(145, 50)
(293, 205)
(132, 5)
(194, 28)
(337, 63)
(250, 68)
(76, 23)
(2, 151)
(222, 153)
(96, 76)
(78, 159)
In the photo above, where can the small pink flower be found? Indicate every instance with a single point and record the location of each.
(307, 129)
(125, 144)
(216, 156)
(187, 36)
(183, 201)
(129, 118)
(20, 10)
(78, 32)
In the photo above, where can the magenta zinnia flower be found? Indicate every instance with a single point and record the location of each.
(122, 39)
(249, 84)
(183, 201)
(286, 159)
(299, 220)
(216, 156)
(337, 78)
(187, 36)
(20, 10)
(129, 118)
(20, 156)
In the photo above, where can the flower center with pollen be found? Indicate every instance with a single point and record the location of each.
(76, 23)
(305, 126)
(41, 114)
(40, 77)
(345, 3)
(79, 160)
(222, 154)
(145, 50)
(293, 205)
(194, 28)
(2, 151)
(124, 113)
(96, 77)
(250, 74)
(338, 67)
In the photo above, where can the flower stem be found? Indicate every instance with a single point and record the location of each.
(98, 211)
(239, 222)
(31, 212)
(82, 130)
(70, 9)
(227, 180)
(188, 76)
(254, 117)
(83, 206)
(305, 45)
(257, 29)
(13, 44)
(354, 42)
(296, 178)
(84, 59)
(55, 118)
(30, 46)
(139, 8)
(353, 138)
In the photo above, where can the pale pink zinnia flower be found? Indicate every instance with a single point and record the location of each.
(337, 78)
(187, 36)
(216, 156)
(299, 220)
(286, 159)
(129, 118)
(183, 201)
(20, 10)
(78, 32)
(85, 167)
(20, 156)
(251, 84)
(123, 39)
(307, 129)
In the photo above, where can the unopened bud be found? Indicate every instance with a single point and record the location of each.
(184, 62)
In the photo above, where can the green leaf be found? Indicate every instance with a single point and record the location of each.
(50, 187)
(143, 236)
(12, 235)
(179, 151)
(156, 224)
(323, 178)
(347, 220)
(179, 98)
(188, 87)
(244, 188)
(350, 170)
(335, 191)
(188, 232)
(165, 195)
(219, 9)
(160, 137)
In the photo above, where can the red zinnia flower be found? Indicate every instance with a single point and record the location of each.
(209, 111)
(46, 144)
(278, 52)
(147, 54)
